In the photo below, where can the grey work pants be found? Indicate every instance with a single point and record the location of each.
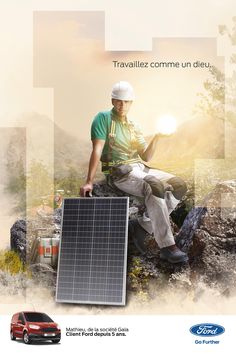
(158, 208)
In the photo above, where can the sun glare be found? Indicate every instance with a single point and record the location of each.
(166, 124)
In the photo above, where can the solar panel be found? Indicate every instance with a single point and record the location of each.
(93, 251)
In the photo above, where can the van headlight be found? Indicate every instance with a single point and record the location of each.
(34, 326)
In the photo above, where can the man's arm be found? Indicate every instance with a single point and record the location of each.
(98, 145)
(147, 154)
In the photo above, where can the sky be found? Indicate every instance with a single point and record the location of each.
(57, 57)
(69, 56)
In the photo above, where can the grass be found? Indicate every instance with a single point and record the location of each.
(10, 262)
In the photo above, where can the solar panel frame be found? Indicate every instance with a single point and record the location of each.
(124, 254)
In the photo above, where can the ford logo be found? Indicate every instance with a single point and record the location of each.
(207, 330)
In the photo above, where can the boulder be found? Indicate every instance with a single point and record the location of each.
(18, 238)
(184, 207)
(208, 235)
(136, 205)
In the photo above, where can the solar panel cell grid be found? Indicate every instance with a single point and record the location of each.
(93, 251)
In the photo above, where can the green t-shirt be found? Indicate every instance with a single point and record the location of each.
(127, 141)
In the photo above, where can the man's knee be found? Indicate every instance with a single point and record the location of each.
(179, 187)
(157, 187)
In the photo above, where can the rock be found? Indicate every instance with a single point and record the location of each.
(18, 238)
(183, 208)
(209, 235)
(189, 227)
(57, 216)
(136, 204)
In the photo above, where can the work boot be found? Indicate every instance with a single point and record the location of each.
(138, 235)
(173, 254)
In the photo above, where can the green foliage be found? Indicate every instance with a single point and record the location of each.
(15, 163)
(139, 275)
(16, 184)
(230, 109)
(39, 184)
(70, 184)
(212, 101)
(11, 262)
(17, 179)
(231, 33)
(15, 168)
(211, 104)
(231, 99)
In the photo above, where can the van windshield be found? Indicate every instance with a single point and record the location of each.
(37, 317)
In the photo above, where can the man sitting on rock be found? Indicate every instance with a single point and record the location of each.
(121, 147)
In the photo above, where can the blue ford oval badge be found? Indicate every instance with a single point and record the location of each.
(207, 330)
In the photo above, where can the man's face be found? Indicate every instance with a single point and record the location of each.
(121, 107)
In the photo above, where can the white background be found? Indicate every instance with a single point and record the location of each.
(157, 334)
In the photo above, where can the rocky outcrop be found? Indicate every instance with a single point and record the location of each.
(209, 235)
(49, 225)
(136, 205)
(18, 238)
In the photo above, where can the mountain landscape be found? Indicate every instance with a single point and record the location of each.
(52, 146)
(198, 138)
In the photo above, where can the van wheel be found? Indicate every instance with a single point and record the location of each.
(26, 338)
(12, 336)
(55, 340)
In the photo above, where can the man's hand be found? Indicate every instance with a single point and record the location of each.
(88, 187)
(148, 153)
(161, 135)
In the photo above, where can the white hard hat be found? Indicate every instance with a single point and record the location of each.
(122, 90)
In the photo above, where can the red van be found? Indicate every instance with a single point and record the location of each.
(34, 326)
